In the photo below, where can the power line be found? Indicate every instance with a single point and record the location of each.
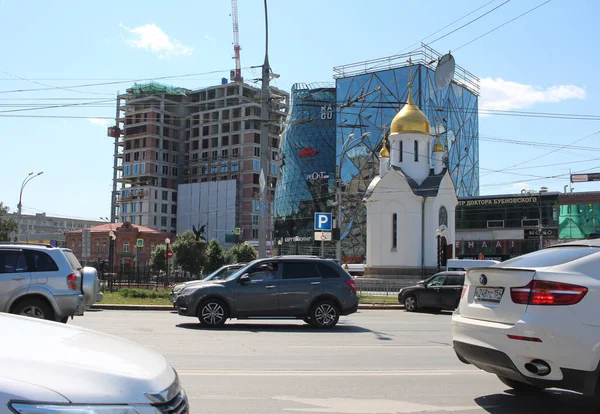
(502, 25)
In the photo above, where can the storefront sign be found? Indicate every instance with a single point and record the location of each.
(297, 239)
(497, 201)
(547, 233)
(307, 152)
(582, 178)
(317, 176)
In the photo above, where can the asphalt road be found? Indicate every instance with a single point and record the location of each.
(384, 361)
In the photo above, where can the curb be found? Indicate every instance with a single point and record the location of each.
(107, 306)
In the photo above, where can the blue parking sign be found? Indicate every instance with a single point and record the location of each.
(323, 222)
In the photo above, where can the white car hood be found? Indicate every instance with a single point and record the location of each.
(82, 365)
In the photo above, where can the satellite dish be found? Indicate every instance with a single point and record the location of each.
(444, 72)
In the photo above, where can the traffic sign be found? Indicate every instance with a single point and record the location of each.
(322, 236)
(139, 243)
(323, 222)
(169, 253)
(237, 231)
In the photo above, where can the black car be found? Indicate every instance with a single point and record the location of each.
(316, 290)
(440, 291)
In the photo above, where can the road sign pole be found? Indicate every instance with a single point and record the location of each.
(322, 248)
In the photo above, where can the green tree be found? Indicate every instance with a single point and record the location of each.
(158, 259)
(215, 256)
(7, 224)
(243, 253)
(189, 252)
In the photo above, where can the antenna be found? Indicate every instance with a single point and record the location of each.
(237, 74)
(444, 72)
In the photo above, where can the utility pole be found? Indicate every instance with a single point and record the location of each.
(264, 146)
(338, 192)
(117, 133)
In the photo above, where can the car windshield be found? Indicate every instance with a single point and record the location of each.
(240, 271)
(550, 257)
(224, 274)
(215, 274)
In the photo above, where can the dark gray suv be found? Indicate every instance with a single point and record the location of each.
(315, 290)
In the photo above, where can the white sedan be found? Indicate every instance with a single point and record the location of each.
(54, 368)
(534, 320)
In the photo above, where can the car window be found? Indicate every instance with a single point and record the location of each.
(263, 272)
(42, 262)
(550, 257)
(437, 281)
(327, 272)
(12, 261)
(75, 265)
(454, 280)
(300, 270)
(226, 273)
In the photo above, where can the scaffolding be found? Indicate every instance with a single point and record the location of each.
(155, 88)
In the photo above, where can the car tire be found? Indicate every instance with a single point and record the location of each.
(324, 314)
(212, 313)
(64, 319)
(35, 308)
(309, 321)
(519, 386)
(410, 303)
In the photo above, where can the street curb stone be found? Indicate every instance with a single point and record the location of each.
(107, 306)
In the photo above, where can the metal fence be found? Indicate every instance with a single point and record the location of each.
(381, 287)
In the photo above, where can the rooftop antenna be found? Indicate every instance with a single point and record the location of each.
(444, 71)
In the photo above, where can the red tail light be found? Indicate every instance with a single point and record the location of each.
(351, 283)
(464, 290)
(72, 281)
(541, 292)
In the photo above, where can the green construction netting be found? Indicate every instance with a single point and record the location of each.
(577, 221)
(154, 88)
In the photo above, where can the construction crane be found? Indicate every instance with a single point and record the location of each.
(237, 75)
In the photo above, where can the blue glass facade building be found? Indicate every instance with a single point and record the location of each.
(369, 99)
(307, 165)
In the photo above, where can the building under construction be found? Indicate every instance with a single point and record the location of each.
(175, 149)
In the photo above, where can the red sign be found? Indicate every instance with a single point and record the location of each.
(169, 253)
(113, 132)
(307, 152)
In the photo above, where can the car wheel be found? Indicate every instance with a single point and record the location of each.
(35, 308)
(309, 321)
(519, 386)
(64, 319)
(410, 303)
(324, 314)
(212, 312)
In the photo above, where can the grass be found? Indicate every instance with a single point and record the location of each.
(131, 296)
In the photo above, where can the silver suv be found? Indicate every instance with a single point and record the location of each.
(45, 282)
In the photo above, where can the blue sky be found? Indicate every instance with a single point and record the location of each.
(542, 62)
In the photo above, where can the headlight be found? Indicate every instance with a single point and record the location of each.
(178, 288)
(40, 408)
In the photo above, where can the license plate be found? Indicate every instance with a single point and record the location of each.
(489, 294)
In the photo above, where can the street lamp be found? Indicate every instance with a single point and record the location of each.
(167, 242)
(28, 178)
(438, 236)
(111, 252)
(351, 138)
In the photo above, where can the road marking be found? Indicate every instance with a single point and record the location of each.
(370, 346)
(274, 373)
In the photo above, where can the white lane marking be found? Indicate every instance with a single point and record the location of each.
(355, 405)
(274, 373)
(371, 346)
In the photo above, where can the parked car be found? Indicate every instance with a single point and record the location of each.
(460, 265)
(440, 291)
(313, 289)
(534, 320)
(45, 282)
(81, 371)
(221, 273)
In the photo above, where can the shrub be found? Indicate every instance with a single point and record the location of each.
(143, 293)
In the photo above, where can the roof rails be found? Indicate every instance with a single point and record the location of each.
(26, 243)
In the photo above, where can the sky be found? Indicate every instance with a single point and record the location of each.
(82, 53)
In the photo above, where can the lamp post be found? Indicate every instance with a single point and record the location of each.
(167, 242)
(438, 236)
(111, 253)
(338, 192)
(28, 178)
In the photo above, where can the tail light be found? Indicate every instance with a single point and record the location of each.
(464, 290)
(72, 281)
(541, 292)
(352, 284)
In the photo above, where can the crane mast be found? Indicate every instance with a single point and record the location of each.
(236, 42)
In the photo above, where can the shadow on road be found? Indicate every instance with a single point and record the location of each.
(94, 310)
(549, 401)
(283, 328)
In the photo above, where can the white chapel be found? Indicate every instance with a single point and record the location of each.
(411, 203)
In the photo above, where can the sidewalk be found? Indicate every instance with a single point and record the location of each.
(106, 306)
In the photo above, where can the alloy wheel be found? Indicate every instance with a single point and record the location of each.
(410, 304)
(213, 313)
(325, 314)
(33, 311)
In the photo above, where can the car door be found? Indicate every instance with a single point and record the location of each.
(300, 284)
(14, 275)
(258, 296)
(431, 296)
(451, 291)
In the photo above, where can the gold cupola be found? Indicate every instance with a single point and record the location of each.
(410, 118)
(438, 147)
(384, 151)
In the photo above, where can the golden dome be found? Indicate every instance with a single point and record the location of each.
(384, 151)
(438, 147)
(410, 118)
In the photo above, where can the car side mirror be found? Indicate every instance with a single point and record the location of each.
(421, 283)
(245, 278)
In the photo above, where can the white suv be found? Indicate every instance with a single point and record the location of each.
(534, 320)
(45, 282)
(53, 368)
